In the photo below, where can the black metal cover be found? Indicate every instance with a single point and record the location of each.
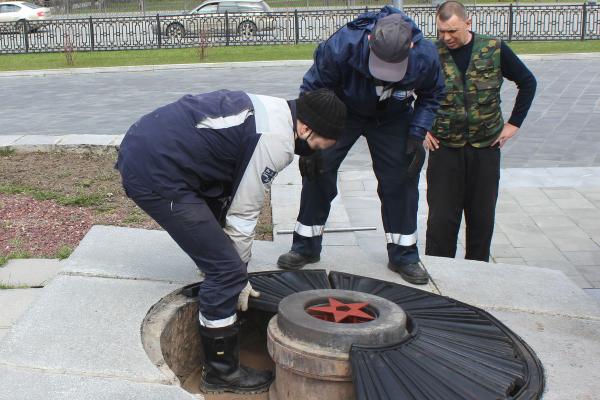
(454, 352)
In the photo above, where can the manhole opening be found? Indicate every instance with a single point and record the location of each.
(181, 347)
(341, 311)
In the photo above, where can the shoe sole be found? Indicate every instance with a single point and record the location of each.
(296, 266)
(221, 390)
(408, 278)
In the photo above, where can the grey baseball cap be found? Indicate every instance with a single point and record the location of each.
(390, 43)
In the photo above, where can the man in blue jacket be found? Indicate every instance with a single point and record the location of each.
(200, 167)
(377, 65)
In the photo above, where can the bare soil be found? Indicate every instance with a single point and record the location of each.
(49, 201)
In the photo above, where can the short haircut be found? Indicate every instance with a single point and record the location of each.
(449, 8)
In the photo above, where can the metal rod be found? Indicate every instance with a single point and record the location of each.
(349, 229)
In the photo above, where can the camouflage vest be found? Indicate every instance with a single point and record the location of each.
(470, 112)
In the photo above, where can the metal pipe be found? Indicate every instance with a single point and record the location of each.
(349, 229)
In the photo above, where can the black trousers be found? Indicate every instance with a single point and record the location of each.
(194, 227)
(399, 195)
(462, 179)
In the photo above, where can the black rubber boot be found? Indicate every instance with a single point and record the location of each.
(413, 273)
(222, 371)
(293, 260)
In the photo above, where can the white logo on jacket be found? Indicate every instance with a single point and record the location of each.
(267, 175)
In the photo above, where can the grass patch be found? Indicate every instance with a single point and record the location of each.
(81, 200)
(13, 256)
(264, 229)
(6, 286)
(19, 62)
(63, 252)
(6, 151)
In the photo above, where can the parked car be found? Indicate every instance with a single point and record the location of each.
(19, 12)
(205, 19)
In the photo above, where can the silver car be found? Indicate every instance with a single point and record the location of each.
(246, 18)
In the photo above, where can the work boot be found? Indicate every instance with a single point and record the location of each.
(222, 371)
(413, 273)
(293, 260)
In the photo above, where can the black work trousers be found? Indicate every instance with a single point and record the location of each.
(194, 227)
(462, 179)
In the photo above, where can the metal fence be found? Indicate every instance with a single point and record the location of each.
(566, 22)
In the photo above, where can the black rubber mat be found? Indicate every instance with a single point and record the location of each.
(275, 285)
(454, 351)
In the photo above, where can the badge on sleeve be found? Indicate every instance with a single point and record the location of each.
(267, 175)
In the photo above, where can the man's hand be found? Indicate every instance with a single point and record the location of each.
(507, 133)
(245, 294)
(414, 149)
(431, 143)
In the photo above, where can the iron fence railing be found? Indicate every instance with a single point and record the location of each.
(549, 22)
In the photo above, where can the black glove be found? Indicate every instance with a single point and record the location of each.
(416, 153)
(311, 166)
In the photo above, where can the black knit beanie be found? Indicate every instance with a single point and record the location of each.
(323, 112)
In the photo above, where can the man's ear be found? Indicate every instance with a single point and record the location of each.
(468, 21)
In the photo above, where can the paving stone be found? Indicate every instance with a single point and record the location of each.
(503, 251)
(510, 287)
(346, 186)
(7, 140)
(559, 265)
(509, 260)
(540, 254)
(594, 293)
(37, 141)
(90, 140)
(569, 349)
(581, 204)
(29, 272)
(14, 302)
(88, 326)
(583, 257)
(525, 234)
(553, 221)
(580, 280)
(131, 253)
(22, 384)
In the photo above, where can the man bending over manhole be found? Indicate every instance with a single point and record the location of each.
(200, 167)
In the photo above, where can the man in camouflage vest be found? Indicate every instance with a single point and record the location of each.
(464, 159)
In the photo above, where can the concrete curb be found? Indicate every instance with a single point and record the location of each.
(154, 68)
(246, 64)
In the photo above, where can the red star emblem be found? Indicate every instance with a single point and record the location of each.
(337, 311)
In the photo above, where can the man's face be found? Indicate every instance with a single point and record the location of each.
(314, 140)
(454, 32)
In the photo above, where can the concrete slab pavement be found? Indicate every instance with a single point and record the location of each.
(29, 272)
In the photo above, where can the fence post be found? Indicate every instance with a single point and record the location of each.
(26, 35)
(158, 31)
(296, 28)
(92, 44)
(226, 28)
(510, 22)
(584, 21)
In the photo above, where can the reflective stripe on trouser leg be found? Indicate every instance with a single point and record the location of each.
(317, 194)
(398, 193)
(216, 323)
(308, 231)
(400, 239)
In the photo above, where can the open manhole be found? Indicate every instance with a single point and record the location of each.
(411, 344)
